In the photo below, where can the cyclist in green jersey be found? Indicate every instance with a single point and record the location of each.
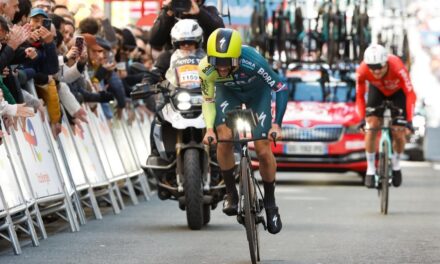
(233, 74)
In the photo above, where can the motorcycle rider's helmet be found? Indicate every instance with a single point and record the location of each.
(224, 47)
(375, 56)
(186, 30)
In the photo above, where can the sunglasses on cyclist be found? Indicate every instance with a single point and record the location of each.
(377, 66)
(186, 43)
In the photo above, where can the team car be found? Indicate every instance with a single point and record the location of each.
(320, 126)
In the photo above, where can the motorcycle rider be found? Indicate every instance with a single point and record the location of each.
(187, 37)
(233, 74)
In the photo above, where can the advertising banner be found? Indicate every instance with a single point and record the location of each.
(142, 147)
(124, 147)
(106, 145)
(8, 183)
(89, 156)
(19, 170)
(38, 159)
(73, 160)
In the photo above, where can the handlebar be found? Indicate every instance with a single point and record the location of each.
(145, 90)
(385, 104)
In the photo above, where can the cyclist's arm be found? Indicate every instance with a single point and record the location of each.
(208, 74)
(408, 89)
(361, 88)
(273, 80)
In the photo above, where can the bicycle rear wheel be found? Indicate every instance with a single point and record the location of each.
(249, 203)
(384, 172)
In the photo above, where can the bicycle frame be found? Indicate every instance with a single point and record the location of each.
(385, 135)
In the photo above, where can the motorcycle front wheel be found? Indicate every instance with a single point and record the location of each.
(192, 184)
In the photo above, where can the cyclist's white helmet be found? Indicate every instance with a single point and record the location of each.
(375, 56)
(186, 30)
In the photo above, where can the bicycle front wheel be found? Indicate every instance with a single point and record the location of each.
(384, 172)
(249, 203)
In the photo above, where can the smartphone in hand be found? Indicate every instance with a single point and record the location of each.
(47, 23)
(79, 43)
(110, 58)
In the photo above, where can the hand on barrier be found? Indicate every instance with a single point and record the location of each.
(56, 129)
(81, 115)
(24, 111)
(78, 124)
(131, 116)
(42, 111)
(118, 113)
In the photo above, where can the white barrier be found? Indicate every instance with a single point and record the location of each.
(73, 160)
(103, 137)
(43, 175)
(138, 130)
(8, 225)
(11, 189)
(39, 162)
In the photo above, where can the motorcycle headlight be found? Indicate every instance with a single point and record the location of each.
(183, 97)
(183, 101)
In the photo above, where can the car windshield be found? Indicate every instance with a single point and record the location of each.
(316, 92)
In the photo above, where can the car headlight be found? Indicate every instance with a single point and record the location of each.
(352, 129)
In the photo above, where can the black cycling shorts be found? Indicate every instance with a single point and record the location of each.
(375, 98)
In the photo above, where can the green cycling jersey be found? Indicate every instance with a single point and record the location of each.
(253, 76)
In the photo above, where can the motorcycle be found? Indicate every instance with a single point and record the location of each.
(185, 169)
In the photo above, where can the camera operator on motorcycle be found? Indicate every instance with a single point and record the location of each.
(187, 37)
(388, 79)
(231, 75)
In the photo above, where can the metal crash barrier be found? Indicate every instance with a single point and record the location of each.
(43, 175)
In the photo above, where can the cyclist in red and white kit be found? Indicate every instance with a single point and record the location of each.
(387, 79)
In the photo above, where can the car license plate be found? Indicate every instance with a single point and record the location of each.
(305, 148)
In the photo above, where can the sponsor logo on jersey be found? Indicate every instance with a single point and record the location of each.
(208, 69)
(405, 77)
(187, 61)
(266, 76)
(247, 64)
(262, 118)
(224, 105)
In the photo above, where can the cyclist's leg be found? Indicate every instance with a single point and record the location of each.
(226, 100)
(260, 103)
(399, 136)
(373, 120)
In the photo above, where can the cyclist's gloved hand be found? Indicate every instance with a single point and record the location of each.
(361, 125)
(410, 126)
